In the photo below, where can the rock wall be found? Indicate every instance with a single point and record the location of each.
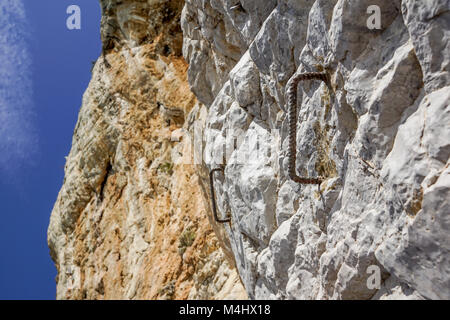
(378, 133)
(131, 220)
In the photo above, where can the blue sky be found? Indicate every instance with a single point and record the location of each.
(44, 71)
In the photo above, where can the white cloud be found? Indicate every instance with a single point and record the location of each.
(18, 138)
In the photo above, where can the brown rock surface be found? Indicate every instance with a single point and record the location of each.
(132, 220)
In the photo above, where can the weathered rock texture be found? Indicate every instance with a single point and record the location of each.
(130, 221)
(379, 133)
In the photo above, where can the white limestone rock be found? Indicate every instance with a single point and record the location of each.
(379, 133)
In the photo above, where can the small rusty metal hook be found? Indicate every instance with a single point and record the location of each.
(291, 94)
(213, 194)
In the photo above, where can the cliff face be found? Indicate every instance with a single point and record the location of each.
(131, 220)
(378, 132)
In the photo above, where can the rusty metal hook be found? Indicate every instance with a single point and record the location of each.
(213, 194)
(291, 94)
